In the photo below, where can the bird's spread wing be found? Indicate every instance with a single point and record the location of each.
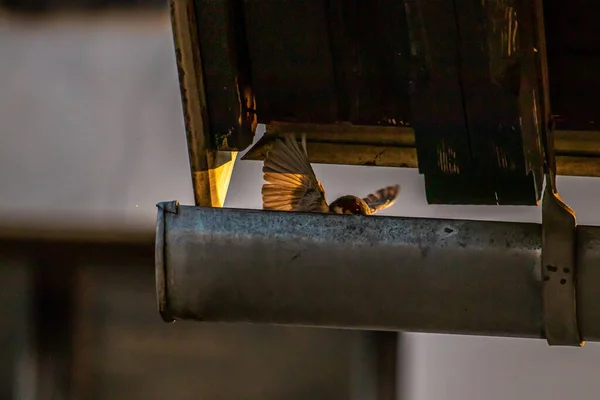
(383, 198)
(291, 182)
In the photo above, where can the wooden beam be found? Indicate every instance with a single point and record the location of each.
(499, 78)
(438, 111)
(578, 152)
(211, 171)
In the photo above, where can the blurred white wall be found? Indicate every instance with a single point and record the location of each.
(90, 121)
(91, 134)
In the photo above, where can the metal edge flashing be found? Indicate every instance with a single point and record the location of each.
(160, 259)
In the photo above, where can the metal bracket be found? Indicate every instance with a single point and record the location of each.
(559, 227)
(559, 236)
(558, 271)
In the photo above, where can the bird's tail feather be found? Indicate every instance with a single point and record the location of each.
(383, 198)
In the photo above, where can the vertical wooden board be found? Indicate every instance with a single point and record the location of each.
(438, 114)
(394, 62)
(210, 175)
(343, 33)
(501, 95)
(371, 56)
(225, 67)
(291, 61)
(573, 49)
(574, 88)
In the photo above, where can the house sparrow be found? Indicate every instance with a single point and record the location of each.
(292, 185)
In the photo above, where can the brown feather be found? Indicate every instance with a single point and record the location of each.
(383, 198)
(291, 182)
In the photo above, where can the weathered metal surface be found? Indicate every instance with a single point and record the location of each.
(357, 272)
(559, 225)
(559, 270)
(588, 282)
(159, 258)
(383, 273)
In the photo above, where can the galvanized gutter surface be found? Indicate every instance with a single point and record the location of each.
(384, 273)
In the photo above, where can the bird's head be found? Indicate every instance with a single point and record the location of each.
(350, 205)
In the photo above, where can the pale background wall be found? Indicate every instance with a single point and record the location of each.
(91, 132)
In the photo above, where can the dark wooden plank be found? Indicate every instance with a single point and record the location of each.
(291, 64)
(438, 114)
(371, 55)
(574, 88)
(342, 23)
(573, 60)
(476, 64)
(226, 70)
(501, 96)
